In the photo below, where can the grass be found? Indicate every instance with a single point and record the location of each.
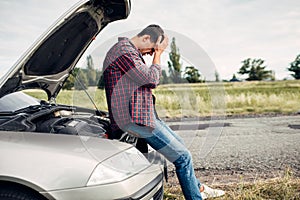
(286, 187)
(76, 97)
(206, 99)
(228, 98)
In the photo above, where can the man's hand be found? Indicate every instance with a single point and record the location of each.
(159, 48)
(161, 45)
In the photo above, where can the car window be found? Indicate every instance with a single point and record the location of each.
(16, 101)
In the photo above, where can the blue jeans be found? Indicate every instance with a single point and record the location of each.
(168, 143)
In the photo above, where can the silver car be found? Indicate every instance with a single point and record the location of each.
(51, 151)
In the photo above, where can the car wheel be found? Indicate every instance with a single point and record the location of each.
(18, 194)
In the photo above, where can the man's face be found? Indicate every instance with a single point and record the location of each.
(148, 47)
(148, 51)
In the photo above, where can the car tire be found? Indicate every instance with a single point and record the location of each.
(8, 193)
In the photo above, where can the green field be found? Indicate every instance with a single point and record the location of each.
(229, 98)
(206, 99)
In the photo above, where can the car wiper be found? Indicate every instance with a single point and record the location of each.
(32, 108)
(5, 113)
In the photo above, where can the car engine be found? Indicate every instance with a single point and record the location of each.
(57, 120)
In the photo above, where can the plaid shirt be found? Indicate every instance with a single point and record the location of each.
(128, 85)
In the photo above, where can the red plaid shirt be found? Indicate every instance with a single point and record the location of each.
(128, 85)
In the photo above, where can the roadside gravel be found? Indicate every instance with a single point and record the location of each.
(244, 148)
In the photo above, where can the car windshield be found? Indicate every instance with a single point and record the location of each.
(17, 101)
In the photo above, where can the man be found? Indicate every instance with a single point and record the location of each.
(128, 85)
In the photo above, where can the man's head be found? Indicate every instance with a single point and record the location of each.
(153, 30)
(146, 40)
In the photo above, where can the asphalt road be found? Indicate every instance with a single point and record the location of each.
(248, 147)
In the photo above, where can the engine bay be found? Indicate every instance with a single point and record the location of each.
(55, 119)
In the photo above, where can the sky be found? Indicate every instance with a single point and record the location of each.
(222, 32)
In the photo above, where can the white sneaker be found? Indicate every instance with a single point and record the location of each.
(211, 193)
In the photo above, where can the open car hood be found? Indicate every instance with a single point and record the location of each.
(51, 59)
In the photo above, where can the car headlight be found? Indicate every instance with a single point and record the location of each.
(119, 167)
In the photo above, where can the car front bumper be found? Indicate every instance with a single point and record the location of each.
(147, 185)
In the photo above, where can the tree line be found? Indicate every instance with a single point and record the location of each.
(255, 69)
(81, 78)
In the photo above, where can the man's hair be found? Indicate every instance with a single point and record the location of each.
(153, 30)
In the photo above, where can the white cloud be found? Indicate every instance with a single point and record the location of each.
(228, 30)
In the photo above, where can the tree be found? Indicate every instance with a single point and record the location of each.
(192, 74)
(69, 84)
(87, 76)
(255, 70)
(164, 77)
(81, 80)
(217, 76)
(91, 72)
(174, 63)
(234, 79)
(101, 83)
(295, 67)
